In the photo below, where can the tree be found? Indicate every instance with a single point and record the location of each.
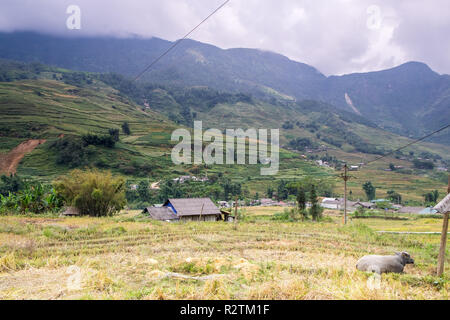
(12, 183)
(301, 202)
(143, 190)
(126, 128)
(370, 190)
(269, 192)
(316, 209)
(394, 197)
(231, 189)
(92, 192)
(431, 197)
(72, 151)
(427, 165)
(282, 191)
(114, 133)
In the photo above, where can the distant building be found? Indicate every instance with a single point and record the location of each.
(268, 202)
(411, 210)
(224, 204)
(365, 205)
(330, 203)
(379, 200)
(429, 210)
(183, 179)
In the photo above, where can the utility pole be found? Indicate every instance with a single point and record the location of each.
(441, 258)
(345, 177)
(235, 210)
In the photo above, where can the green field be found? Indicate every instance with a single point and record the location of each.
(48, 109)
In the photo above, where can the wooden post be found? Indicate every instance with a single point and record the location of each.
(345, 177)
(235, 210)
(441, 258)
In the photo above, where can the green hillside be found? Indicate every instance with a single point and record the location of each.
(410, 99)
(62, 113)
(69, 108)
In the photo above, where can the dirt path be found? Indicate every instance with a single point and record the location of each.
(10, 161)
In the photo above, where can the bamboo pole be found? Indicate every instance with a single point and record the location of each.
(441, 258)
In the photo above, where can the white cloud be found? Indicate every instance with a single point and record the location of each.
(335, 36)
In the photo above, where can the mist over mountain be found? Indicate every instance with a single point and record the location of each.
(410, 99)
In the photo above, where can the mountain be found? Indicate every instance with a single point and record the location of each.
(53, 120)
(410, 99)
(191, 63)
(57, 120)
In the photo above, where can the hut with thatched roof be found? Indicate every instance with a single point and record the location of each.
(161, 213)
(70, 212)
(194, 209)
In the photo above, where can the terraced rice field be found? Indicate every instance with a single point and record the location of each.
(130, 257)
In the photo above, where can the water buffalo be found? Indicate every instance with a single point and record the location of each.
(383, 264)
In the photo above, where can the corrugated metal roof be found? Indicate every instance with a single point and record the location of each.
(410, 209)
(444, 205)
(428, 211)
(193, 207)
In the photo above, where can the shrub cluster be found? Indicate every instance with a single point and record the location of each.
(92, 192)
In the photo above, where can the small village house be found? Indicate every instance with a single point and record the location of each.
(365, 205)
(161, 213)
(195, 209)
(330, 203)
(267, 202)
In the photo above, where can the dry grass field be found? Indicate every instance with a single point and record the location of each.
(131, 257)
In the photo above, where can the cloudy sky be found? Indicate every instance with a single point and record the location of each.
(335, 36)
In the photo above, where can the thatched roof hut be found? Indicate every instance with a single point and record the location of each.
(161, 213)
(195, 209)
(444, 205)
(70, 211)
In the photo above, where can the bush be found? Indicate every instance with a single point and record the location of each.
(12, 183)
(427, 165)
(96, 140)
(71, 151)
(114, 133)
(35, 198)
(383, 205)
(126, 128)
(93, 192)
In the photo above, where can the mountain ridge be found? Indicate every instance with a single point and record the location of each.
(408, 99)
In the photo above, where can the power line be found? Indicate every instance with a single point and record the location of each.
(179, 41)
(411, 143)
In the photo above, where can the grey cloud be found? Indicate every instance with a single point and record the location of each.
(331, 35)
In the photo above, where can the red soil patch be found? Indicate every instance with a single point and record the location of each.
(10, 161)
